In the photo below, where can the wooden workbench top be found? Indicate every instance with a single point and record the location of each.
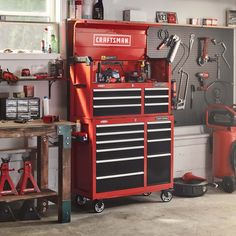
(32, 124)
(11, 129)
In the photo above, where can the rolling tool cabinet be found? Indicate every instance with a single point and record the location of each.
(126, 115)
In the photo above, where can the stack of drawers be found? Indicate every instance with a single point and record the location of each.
(20, 108)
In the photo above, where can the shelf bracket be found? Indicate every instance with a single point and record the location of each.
(65, 131)
(50, 83)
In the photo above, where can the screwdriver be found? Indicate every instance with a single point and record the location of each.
(192, 91)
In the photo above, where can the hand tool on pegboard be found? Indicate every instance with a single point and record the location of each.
(7, 186)
(203, 51)
(223, 52)
(184, 77)
(27, 183)
(193, 89)
(202, 77)
(171, 41)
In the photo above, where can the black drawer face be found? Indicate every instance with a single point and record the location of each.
(156, 100)
(159, 147)
(159, 169)
(120, 183)
(159, 135)
(120, 154)
(109, 102)
(119, 167)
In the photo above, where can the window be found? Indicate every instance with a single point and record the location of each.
(28, 10)
(23, 22)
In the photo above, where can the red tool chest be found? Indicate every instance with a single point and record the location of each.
(123, 101)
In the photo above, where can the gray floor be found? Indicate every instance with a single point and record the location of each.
(212, 214)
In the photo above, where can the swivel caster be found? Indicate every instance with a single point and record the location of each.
(147, 194)
(166, 195)
(98, 206)
(228, 184)
(80, 200)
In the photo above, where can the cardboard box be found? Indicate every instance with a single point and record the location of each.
(134, 15)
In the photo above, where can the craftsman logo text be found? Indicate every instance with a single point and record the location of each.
(117, 40)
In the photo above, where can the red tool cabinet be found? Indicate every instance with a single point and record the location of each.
(129, 123)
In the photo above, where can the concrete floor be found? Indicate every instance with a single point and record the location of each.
(213, 214)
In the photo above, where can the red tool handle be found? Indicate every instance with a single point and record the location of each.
(218, 106)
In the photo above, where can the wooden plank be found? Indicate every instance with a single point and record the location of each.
(64, 182)
(46, 193)
(42, 162)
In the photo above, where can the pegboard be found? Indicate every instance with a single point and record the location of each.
(220, 90)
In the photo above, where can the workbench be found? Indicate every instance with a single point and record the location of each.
(10, 129)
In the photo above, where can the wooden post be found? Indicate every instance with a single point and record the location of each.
(64, 177)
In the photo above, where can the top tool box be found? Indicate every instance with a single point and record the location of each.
(123, 101)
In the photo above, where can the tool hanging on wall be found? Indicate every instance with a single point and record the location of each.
(203, 51)
(193, 89)
(202, 77)
(223, 52)
(171, 41)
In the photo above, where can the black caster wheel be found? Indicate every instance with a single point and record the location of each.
(98, 206)
(228, 184)
(147, 194)
(166, 196)
(80, 200)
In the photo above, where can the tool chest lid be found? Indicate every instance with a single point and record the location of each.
(110, 39)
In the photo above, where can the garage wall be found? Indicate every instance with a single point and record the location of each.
(189, 156)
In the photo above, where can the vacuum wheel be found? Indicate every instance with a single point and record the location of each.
(166, 195)
(98, 206)
(228, 184)
(80, 200)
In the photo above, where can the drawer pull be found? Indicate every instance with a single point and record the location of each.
(159, 130)
(159, 155)
(121, 175)
(120, 141)
(156, 104)
(119, 149)
(109, 98)
(114, 90)
(122, 132)
(159, 140)
(120, 159)
(117, 125)
(113, 106)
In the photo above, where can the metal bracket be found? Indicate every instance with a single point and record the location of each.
(65, 131)
(86, 59)
(50, 83)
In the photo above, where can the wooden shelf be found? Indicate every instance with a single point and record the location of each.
(46, 193)
(199, 26)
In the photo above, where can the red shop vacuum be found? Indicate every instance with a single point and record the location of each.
(222, 120)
